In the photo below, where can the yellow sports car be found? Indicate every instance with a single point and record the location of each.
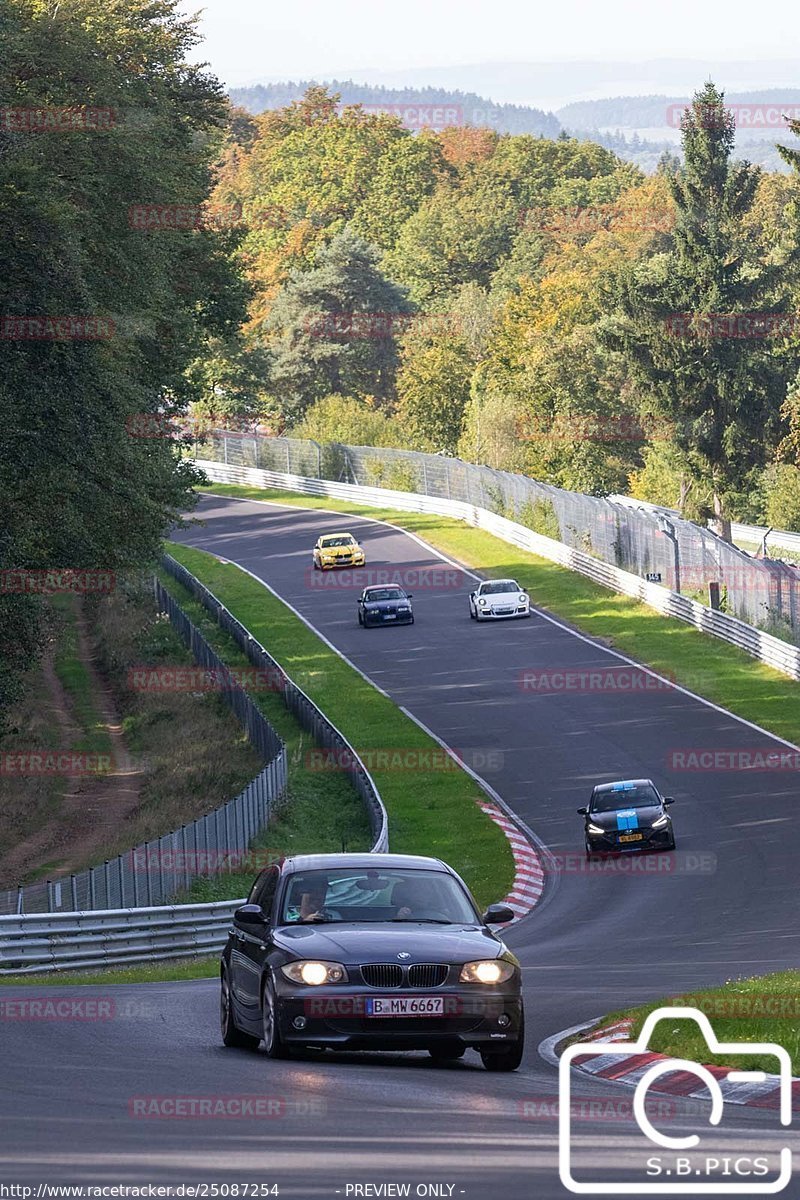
(338, 550)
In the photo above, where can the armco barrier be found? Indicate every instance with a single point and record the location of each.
(56, 941)
(44, 942)
(783, 656)
(310, 717)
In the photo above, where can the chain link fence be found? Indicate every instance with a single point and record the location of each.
(155, 872)
(312, 719)
(679, 554)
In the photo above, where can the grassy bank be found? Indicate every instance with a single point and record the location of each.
(156, 972)
(699, 662)
(322, 811)
(431, 811)
(760, 1009)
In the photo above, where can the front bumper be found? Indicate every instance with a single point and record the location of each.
(382, 618)
(506, 613)
(354, 560)
(608, 843)
(336, 1016)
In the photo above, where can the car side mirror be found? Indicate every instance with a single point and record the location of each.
(668, 800)
(250, 914)
(497, 914)
(409, 595)
(583, 812)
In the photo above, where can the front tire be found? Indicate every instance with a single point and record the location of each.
(274, 1046)
(508, 1059)
(231, 1034)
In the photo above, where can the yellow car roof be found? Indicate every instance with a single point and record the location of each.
(324, 537)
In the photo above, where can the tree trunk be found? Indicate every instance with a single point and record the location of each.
(721, 523)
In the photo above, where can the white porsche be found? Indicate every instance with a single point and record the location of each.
(499, 599)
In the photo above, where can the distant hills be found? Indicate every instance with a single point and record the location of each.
(473, 109)
(637, 128)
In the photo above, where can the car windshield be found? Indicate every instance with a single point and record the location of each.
(344, 540)
(624, 795)
(498, 586)
(387, 593)
(371, 894)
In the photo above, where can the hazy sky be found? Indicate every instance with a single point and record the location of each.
(251, 40)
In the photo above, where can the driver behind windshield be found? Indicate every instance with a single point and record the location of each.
(312, 905)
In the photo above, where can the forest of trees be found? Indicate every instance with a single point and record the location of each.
(530, 286)
(532, 303)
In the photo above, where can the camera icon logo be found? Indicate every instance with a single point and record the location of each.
(700, 1171)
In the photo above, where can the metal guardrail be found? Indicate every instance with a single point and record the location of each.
(783, 656)
(34, 943)
(155, 871)
(45, 942)
(643, 540)
(302, 706)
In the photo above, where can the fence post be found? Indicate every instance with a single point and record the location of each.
(73, 884)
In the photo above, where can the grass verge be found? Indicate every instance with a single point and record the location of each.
(695, 660)
(431, 811)
(760, 1009)
(157, 972)
(322, 811)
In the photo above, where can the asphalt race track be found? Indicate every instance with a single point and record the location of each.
(599, 940)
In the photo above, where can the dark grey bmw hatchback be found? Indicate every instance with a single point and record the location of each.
(370, 952)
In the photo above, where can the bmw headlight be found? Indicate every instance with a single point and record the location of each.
(314, 973)
(592, 828)
(660, 822)
(492, 970)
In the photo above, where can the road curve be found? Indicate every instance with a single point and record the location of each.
(599, 940)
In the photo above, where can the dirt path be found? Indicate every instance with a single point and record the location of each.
(91, 810)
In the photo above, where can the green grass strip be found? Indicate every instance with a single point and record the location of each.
(432, 809)
(759, 1009)
(76, 679)
(206, 967)
(322, 813)
(704, 664)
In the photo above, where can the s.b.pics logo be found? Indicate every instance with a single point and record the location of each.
(666, 1163)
